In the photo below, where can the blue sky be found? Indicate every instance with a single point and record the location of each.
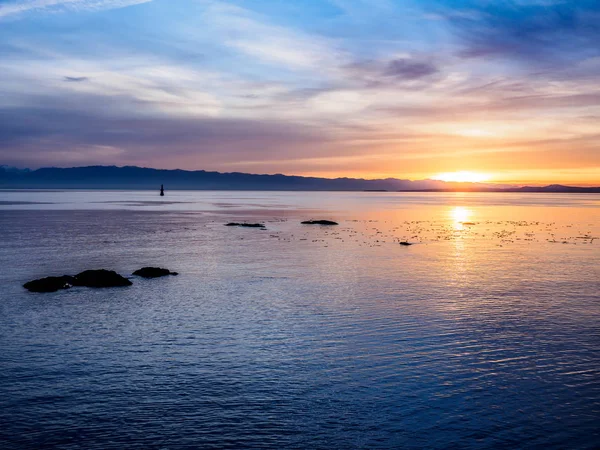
(371, 88)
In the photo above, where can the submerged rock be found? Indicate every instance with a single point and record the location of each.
(247, 225)
(100, 278)
(153, 272)
(50, 284)
(405, 243)
(319, 222)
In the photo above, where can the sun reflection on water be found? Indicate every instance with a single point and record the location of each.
(460, 263)
(460, 215)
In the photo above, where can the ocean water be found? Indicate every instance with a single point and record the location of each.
(483, 334)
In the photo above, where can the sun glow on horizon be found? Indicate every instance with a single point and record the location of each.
(462, 176)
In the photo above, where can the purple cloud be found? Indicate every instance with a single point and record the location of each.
(409, 69)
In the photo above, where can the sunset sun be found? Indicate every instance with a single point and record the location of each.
(462, 177)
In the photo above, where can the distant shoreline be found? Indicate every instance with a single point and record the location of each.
(573, 190)
(141, 178)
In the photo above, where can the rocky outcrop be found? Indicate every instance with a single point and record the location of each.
(405, 243)
(50, 284)
(247, 225)
(319, 222)
(153, 272)
(90, 278)
(100, 278)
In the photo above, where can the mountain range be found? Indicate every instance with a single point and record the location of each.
(132, 177)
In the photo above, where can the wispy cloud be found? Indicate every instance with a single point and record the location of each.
(253, 35)
(24, 6)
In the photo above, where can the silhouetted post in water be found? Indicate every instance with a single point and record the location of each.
(162, 190)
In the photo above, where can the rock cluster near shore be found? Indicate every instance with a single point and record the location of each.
(50, 284)
(153, 272)
(89, 278)
(245, 225)
(100, 278)
(319, 222)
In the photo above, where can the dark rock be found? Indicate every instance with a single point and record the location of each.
(100, 279)
(319, 222)
(247, 225)
(50, 284)
(153, 272)
(405, 243)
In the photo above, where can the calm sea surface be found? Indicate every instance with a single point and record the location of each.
(483, 334)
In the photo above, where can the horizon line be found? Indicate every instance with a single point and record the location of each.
(498, 185)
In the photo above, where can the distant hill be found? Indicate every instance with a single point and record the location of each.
(555, 188)
(132, 177)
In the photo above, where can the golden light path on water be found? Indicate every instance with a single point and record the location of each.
(459, 215)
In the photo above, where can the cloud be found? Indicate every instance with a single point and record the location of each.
(537, 32)
(75, 79)
(409, 69)
(405, 72)
(254, 36)
(85, 126)
(24, 6)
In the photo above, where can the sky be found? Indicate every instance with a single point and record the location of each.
(361, 88)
